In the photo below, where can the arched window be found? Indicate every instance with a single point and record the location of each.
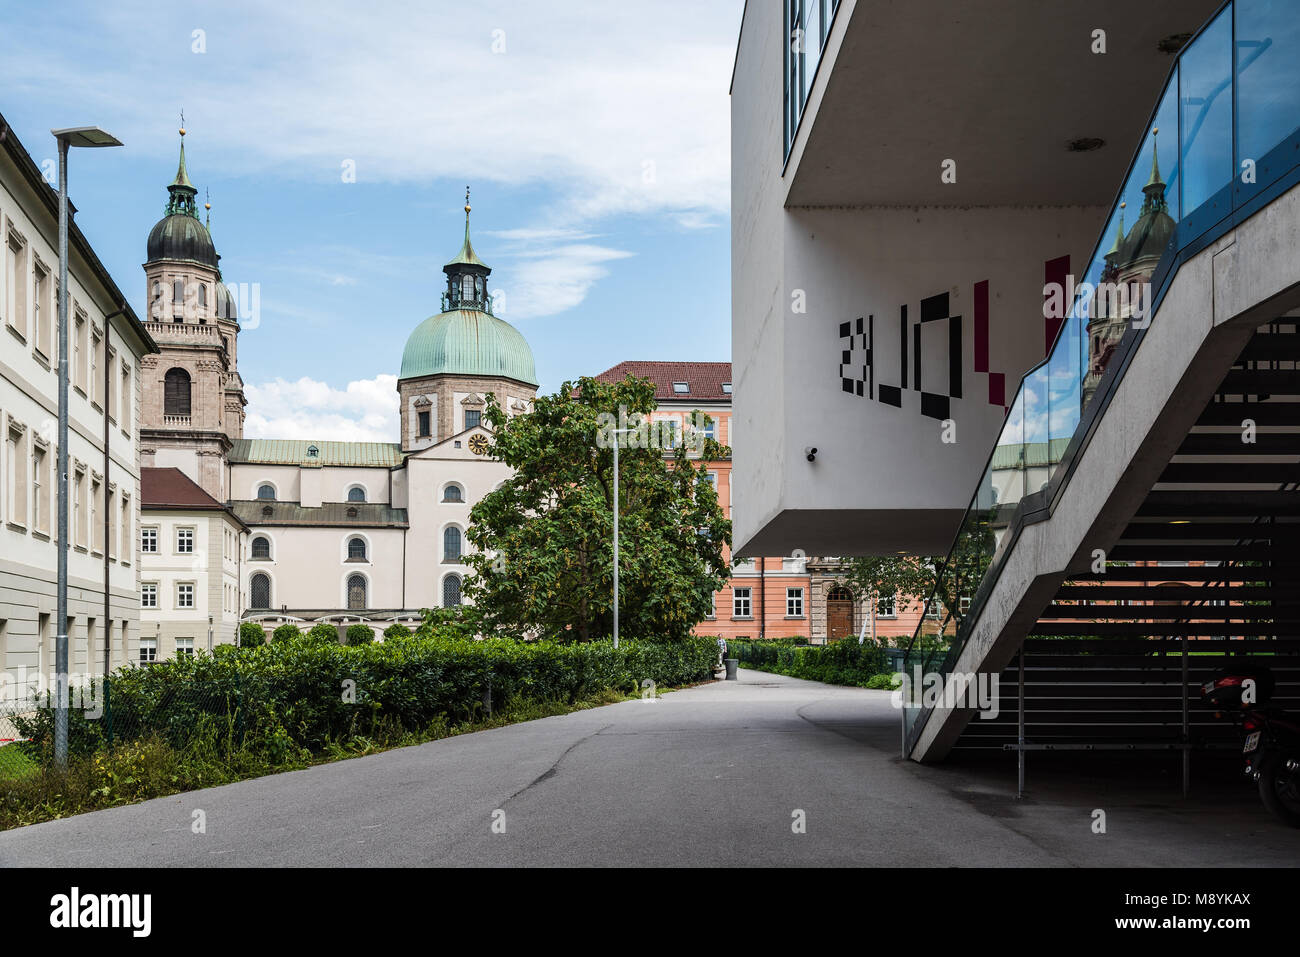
(203, 295)
(356, 549)
(356, 495)
(453, 493)
(451, 591)
(260, 587)
(357, 593)
(467, 287)
(176, 392)
(178, 299)
(261, 547)
(266, 493)
(451, 545)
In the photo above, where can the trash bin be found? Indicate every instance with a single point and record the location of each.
(731, 664)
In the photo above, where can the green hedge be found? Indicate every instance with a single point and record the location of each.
(303, 692)
(843, 663)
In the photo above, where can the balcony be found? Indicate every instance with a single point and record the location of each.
(187, 333)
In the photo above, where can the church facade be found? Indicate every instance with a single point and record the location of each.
(326, 530)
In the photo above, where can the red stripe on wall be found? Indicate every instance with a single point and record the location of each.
(982, 326)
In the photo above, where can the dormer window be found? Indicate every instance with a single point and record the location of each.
(682, 388)
(313, 452)
(726, 388)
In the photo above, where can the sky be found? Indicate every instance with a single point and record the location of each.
(335, 141)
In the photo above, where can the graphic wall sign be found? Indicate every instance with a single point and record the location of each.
(866, 372)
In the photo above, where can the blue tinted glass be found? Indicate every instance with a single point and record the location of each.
(1206, 113)
(1268, 75)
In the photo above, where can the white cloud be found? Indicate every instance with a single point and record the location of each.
(364, 411)
(615, 107)
(606, 109)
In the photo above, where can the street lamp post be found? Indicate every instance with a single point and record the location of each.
(616, 433)
(89, 136)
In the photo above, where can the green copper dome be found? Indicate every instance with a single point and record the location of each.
(470, 343)
(465, 338)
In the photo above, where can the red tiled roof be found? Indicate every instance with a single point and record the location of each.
(172, 488)
(704, 378)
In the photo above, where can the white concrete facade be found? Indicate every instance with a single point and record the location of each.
(888, 271)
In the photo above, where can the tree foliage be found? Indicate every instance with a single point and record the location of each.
(544, 540)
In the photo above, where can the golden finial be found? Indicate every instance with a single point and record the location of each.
(1155, 131)
(1124, 205)
(467, 206)
(182, 129)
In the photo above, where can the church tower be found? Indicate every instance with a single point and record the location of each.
(193, 395)
(453, 360)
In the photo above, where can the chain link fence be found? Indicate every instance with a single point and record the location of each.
(104, 713)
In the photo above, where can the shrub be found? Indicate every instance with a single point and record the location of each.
(360, 634)
(397, 630)
(286, 632)
(251, 635)
(883, 682)
(323, 634)
(843, 663)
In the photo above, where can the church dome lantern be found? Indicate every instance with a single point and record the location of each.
(466, 339)
(180, 235)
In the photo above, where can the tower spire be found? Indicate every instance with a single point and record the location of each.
(181, 190)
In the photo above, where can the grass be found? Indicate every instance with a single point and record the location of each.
(149, 768)
(15, 765)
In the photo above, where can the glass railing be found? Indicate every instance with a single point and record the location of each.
(1222, 141)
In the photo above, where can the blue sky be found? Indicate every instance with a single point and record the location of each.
(595, 137)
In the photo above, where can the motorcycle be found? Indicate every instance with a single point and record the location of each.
(1272, 744)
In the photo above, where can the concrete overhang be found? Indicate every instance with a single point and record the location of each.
(1000, 86)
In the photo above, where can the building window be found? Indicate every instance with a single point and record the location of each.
(176, 392)
(425, 425)
(260, 592)
(178, 300)
(473, 418)
(16, 477)
(262, 547)
(453, 493)
(807, 26)
(357, 550)
(682, 388)
(40, 492)
(451, 591)
(356, 495)
(451, 550)
(887, 607)
(184, 541)
(41, 308)
(313, 452)
(17, 281)
(149, 540)
(357, 593)
(266, 493)
(741, 606)
(148, 650)
(934, 609)
(185, 595)
(794, 602)
(149, 595)
(78, 371)
(726, 388)
(184, 647)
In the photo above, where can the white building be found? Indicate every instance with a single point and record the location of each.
(107, 346)
(337, 531)
(191, 550)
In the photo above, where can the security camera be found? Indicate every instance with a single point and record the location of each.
(811, 453)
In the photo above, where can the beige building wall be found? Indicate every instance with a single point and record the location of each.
(28, 451)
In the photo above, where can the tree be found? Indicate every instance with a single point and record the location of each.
(948, 578)
(544, 540)
(251, 635)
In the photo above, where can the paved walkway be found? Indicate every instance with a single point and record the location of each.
(709, 776)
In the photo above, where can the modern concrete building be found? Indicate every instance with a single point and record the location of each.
(108, 347)
(1023, 276)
